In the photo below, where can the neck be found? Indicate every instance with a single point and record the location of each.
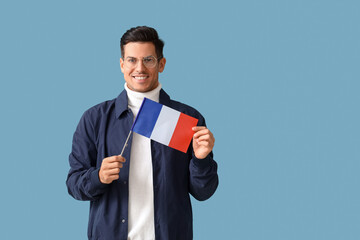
(135, 98)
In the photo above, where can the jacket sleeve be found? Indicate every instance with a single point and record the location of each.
(83, 178)
(203, 174)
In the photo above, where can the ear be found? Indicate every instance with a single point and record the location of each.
(162, 64)
(122, 65)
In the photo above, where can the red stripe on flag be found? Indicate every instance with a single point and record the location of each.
(183, 133)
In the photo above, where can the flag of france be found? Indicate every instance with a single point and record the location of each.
(164, 125)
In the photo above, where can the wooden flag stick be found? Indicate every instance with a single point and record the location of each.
(125, 144)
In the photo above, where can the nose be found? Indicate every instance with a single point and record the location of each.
(139, 66)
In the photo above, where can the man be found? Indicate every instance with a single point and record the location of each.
(143, 194)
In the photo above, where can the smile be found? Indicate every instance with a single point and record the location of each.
(140, 78)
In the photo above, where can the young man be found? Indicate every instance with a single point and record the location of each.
(143, 194)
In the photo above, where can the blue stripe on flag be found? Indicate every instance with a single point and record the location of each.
(147, 117)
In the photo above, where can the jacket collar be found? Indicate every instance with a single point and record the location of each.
(121, 102)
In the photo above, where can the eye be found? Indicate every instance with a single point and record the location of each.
(149, 60)
(131, 60)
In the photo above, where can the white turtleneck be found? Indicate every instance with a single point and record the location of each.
(141, 192)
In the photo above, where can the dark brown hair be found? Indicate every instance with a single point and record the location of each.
(142, 34)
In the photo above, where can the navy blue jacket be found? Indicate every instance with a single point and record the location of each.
(101, 133)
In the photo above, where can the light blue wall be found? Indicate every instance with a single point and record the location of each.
(278, 82)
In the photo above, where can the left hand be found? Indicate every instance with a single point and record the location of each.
(203, 141)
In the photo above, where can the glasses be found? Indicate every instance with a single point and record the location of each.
(149, 62)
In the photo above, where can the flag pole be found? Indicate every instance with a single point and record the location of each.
(126, 143)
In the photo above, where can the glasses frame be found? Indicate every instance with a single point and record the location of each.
(137, 61)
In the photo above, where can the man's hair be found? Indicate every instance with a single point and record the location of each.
(142, 34)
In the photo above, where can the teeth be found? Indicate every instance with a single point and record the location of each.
(140, 78)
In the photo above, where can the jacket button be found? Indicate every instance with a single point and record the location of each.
(125, 182)
(123, 221)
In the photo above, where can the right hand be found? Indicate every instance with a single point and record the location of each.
(110, 169)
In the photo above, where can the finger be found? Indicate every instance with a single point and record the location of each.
(197, 128)
(110, 172)
(113, 171)
(110, 165)
(202, 132)
(107, 179)
(120, 158)
(117, 158)
(115, 165)
(113, 177)
(206, 137)
(204, 143)
(110, 159)
(114, 159)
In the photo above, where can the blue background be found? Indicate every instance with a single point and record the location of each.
(278, 82)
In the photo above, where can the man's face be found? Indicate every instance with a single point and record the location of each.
(140, 78)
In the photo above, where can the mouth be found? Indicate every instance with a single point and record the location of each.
(141, 78)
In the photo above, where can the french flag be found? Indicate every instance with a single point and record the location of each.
(164, 125)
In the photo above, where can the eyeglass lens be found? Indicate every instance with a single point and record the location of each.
(148, 62)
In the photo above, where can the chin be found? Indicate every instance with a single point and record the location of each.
(146, 88)
(142, 89)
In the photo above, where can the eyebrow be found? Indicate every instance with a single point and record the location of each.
(143, 57)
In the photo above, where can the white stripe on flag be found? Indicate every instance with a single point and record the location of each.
(165, 125)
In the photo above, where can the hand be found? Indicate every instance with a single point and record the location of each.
(203, 142)
(110, 169)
